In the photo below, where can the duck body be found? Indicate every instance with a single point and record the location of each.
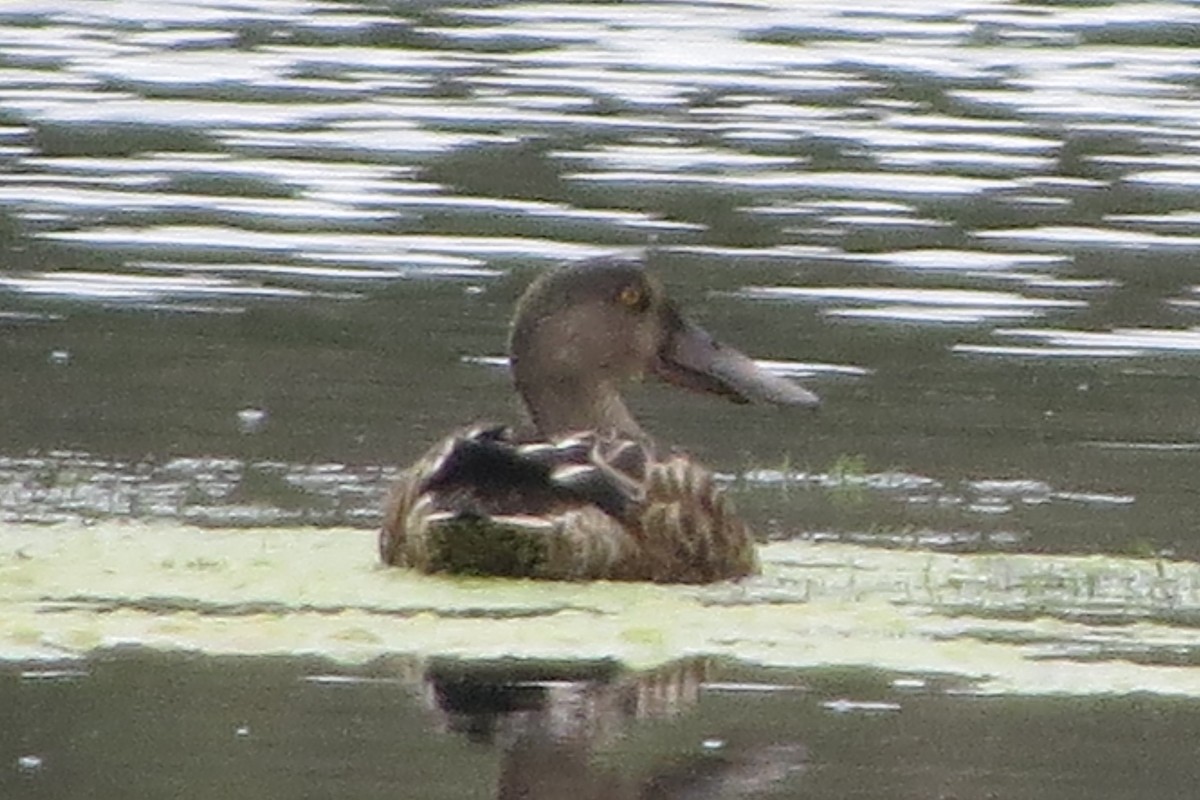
(585, 496)
(579, 507)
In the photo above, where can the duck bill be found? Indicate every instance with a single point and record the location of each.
(693, 359)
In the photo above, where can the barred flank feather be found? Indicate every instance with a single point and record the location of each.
(481, 504)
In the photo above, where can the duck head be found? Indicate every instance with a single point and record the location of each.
(583, 329)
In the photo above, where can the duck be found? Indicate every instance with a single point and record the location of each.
(582, 492)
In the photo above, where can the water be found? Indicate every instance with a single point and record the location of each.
(283, 728)
(258, 256)
(291, 728)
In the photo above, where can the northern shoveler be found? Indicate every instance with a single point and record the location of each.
(587, 497)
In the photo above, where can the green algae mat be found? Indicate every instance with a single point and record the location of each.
(1005, 623)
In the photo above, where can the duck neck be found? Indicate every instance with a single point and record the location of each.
(564, 406)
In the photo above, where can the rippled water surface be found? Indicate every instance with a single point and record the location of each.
(256, 256)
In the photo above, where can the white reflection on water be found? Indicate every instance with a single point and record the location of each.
(1174, 222)
(1013, 351)
(79, 199)
(950, 260)
(1159, 447)
(105, 286)
(952, 306)
(217, 239)
(426, 266)
(1138, 340)
(965, 315)
(1057, 238)
(366, 142)
(990, 496)
(989, 163)
(835, 184)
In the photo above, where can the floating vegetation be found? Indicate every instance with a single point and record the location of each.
(1004, 623)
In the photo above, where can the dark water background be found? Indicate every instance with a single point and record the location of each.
(254, 256)
(223, 728)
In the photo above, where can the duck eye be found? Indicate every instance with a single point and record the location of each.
(632, 297)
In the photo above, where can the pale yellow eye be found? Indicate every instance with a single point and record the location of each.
(631, 297)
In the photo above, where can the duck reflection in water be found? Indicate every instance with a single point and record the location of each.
(554, 735)
(587, 494)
